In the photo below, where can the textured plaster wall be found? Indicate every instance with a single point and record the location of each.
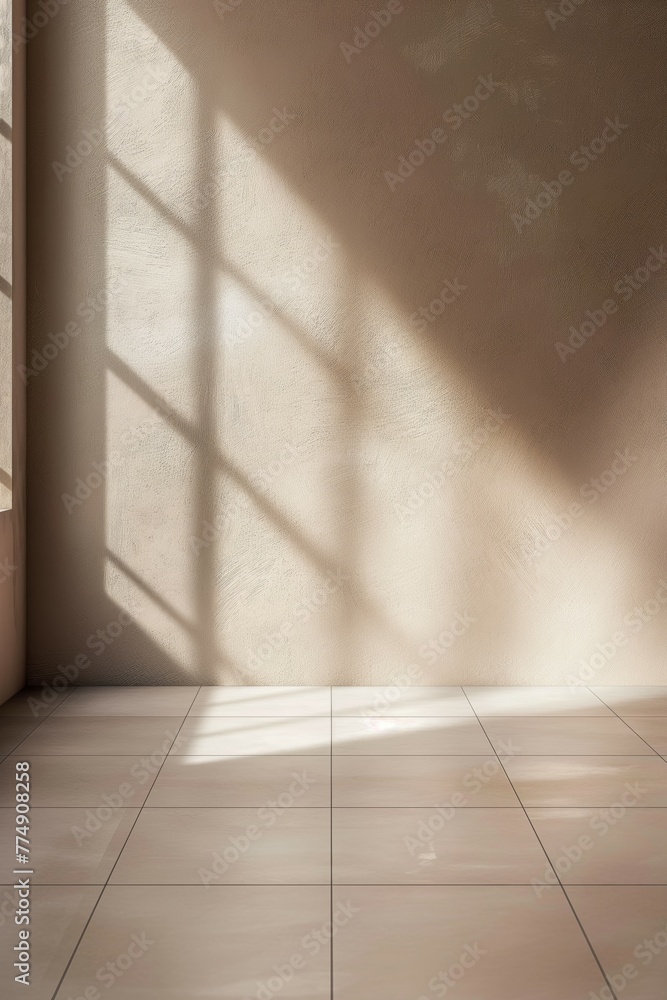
(253, 459)
(12, 351)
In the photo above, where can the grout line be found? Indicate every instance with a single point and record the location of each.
(294, 885)
(427, 805)
(13, 753)
(552, 867)
(92, 912)
(626, 721)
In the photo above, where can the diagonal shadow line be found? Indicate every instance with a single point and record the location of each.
(5, 287)
(5, 130)
(321, 559)
(332, 366)
(5, 479)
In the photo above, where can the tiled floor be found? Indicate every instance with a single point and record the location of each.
(349, 844)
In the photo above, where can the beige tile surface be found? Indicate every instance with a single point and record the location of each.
(601, 846)
(420, 781)
(102, 735)
(227, 846)
(653, 731)
(589, 781)
(249, 702)
(215, 737)
(243, 781)
(223, 941)
(627, 926)
(59, 914)
(69, 846)
(478, 846)
(634, 701)
(531, 701)
(33, 703)
(493, 942)
(395, 701)
(143, 701)
(82, 781)
(564, 735)
(424, 737)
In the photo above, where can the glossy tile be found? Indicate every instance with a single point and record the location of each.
(561, 736)
(605, 846)
(13, 731)
(589, 781)
(652, 731)
(423, 737)
(59, 914)
(211, 846)
(102, 735)
(421, 781)
(216, 737)
(129, 701)
(33, 703)
(258, 702)
(243, 781)
(435, 846)
(394, 701)
(82, 781)
(627, 926)
(532, 701)
(69, 846)
(224, 941)
(634, 701)
(470, 942)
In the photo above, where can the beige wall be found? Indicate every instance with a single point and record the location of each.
(231, 281)
(12, 392)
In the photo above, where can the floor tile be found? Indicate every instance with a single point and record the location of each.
(13, 731)
(424, 737)
(470, 942)
(254, 702)
(243, 781)
(119, 701)
(421, 781)
(102, 735)
(589, 781)
(69, 846)
(604, 846)
(634, 701)
(228, 846)
(553, 737)
(82, 781)
(215, 737)
(394, 701)
(33, 703)
(531, 701)
(627, 926)
(223, 941)
(58, 916)
(448, 846)
(652, 731)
